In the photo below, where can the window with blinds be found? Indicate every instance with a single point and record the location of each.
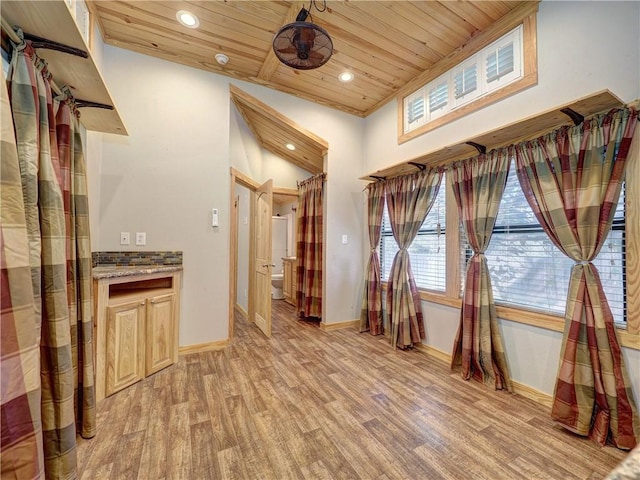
(499, 62)
(528, 271)
(428, 250)
(438, 96)
(414, 110)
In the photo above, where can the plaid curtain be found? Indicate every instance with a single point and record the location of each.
(371, 315)
(57, 227)
(309, 247)
(409, 199)
(21, 442)
(78, 248)
(572, 180)
(478, 185)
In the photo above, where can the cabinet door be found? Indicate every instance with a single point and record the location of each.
(286, 278)
(125, 345)
(160, 332)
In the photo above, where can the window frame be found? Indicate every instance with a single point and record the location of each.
(449, 65)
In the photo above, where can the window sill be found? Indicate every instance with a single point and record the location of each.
(526, 317)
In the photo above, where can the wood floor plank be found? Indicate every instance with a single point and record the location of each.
(313, 404)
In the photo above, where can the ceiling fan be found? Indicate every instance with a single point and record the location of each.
(303, 45)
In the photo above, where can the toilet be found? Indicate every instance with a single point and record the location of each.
(276, 286)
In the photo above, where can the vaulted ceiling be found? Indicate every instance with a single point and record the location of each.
(385, 44)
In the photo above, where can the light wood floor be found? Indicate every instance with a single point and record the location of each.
(314, 404)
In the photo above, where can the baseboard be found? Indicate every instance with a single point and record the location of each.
(241, 311)
(519, 388)
(337, 326)
(203, 347)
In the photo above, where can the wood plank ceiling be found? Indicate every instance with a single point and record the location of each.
(385, 44)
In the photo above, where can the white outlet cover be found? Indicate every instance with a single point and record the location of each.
(141, 238)
(124, 238)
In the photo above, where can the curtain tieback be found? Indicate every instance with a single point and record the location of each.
(583, 262)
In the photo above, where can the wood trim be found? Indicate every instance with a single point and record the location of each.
(632, 235)
(240, 97)
(532, 393)
(529, 78)
(271, 62)
(528, 317)
(327, 327)
(496, 30)
(452, 238)
(440, 299)
(203, 347)
(433, 352)
(244, 179)
(518, 388)
(241, 311)
(525, 129)
(292, 192)
(53, 20)
(233, 252)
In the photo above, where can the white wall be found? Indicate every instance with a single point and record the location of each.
(167, 175)
(343, 199)
(164, 178)
(245, 154)
(583, 47)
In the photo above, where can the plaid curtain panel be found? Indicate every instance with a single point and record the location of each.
(78, 248)
(21, 443)
(478, 185)
(572, 179)
(409, 199)
(371, 315)
(309, 247)
(45, 180)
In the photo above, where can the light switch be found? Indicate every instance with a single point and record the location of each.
(214, 217)
(124, 238)
(344, 240)
(141, 238)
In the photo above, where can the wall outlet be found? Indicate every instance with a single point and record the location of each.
(141, 238)
(345, 239)
(124, 238)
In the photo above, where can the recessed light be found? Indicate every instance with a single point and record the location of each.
(188, 19)
(345, 77)
(290, 146)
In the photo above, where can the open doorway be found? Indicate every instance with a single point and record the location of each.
(254, 258)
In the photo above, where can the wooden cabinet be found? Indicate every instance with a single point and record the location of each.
(289, 279)
(136, 328)
(160, 347)
(125, 345)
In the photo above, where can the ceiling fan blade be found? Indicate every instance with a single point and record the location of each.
(291, 50)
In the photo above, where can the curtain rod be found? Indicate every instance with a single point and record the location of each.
(39, 42)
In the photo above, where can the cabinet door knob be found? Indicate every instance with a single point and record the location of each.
(153, 300)
(142, 303)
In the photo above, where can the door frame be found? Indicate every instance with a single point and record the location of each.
(239, 178)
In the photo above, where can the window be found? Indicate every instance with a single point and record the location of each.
(494, 67)
(528, 271)
(478, 79)
(428, 250)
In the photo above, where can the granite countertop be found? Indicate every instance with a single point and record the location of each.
(629, 468)
(113, 271)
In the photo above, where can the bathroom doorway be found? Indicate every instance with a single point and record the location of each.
(245, 296)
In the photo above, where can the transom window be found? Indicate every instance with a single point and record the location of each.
(492, 68)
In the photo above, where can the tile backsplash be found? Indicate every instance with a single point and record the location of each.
(134, 259)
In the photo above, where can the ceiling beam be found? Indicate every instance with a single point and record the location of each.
(271, 63)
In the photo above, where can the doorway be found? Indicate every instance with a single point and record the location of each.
(250, 276)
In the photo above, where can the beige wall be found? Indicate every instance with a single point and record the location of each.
(173, 168)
